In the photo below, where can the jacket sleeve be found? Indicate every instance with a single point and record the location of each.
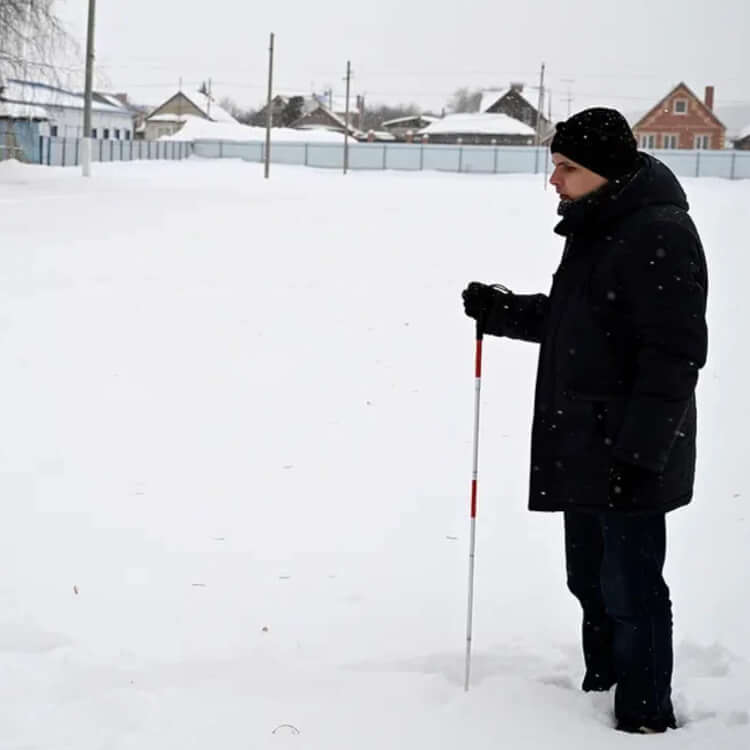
(519, 316)
(664, 282)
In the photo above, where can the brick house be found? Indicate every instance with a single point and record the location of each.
(681, 120)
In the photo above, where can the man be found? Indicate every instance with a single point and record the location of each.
(622, 336)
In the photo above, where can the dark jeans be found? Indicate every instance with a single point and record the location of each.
(614, 565)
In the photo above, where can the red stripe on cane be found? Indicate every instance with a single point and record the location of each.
(479, 359)
(473, 498)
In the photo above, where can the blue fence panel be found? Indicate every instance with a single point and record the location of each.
(520, 160)
(742, 165)
(288, 153)
(443, 158)
(682, 163)
(366, 156)
(325, 155)
(477, 159)
(712, 164)
(402, 156)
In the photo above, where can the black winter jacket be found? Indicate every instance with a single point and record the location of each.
(622, 335)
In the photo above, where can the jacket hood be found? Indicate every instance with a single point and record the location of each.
(653, 183)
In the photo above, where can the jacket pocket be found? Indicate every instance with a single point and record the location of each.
(607, 412)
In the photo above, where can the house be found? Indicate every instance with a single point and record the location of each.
(20, 128)
(403, 126)
(323, 118)
(64, 109)
(681, 120)
(479, 129)
(736, 117)
(338, 105)
(743, 142)
(169, 117)
(285, 108)
(514, 103)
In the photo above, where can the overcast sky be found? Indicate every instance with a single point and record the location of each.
(621, 54)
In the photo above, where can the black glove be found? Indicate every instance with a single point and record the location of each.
(626, 482)
(479, 299)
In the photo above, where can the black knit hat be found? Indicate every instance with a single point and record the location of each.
(600, 140)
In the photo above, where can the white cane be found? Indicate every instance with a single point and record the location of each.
(474, 475)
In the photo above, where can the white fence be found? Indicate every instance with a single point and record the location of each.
(730, 164)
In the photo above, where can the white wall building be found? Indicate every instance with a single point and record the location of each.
(65, 110)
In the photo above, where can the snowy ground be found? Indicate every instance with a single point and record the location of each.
(235, 457)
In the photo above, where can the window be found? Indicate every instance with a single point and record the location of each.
(680, 106)
(93, 132)
(117, 134)
(670, 140)
(647, 140)
(127, 135)
(53, 130)
(105, 133)
(702, 141)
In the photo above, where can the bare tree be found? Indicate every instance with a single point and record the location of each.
(245, 116)
(31, 38)
(465, 100)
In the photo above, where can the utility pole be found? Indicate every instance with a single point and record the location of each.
(569, 98)
(88, 95)
(540, 108)
(346, 117)
(269, 114)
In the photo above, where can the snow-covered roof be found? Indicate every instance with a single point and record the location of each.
(209, 106)
(490, 96)
(478, 123)
(397, 120)
(23, 111)
(745, 132)
(113, 100)
(42, 94)
(196, 129)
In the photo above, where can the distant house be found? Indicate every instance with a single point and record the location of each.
(401, 126)
(514, 103)
(480, 129)
(283, 104)
(169, 117)
(743, 142)
(64, 110)
(681, 120)
(323, 118)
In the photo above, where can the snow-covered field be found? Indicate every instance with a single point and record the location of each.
(235, 454)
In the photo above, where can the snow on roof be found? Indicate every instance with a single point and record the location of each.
(113, 100)
(209, 106)
(745, 132)
(196, 129)
(23, 111)
(426, 118)
(478, 123)
(42, 94)
(490, 96)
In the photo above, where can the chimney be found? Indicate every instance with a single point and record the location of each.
(516, 86)
(709, 98)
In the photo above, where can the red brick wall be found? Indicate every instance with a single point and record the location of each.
(695, 122)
